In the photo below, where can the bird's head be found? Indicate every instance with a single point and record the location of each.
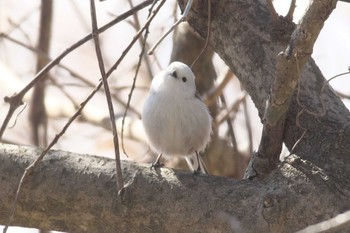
(177, 79)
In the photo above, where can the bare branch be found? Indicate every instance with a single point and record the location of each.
(119, 176)
(288, 69)
(217, 91)
(141, 55)
(143, 41)
(291, 10)
(182, 19)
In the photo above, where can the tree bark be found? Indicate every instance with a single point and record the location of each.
(247, 40)
(77, 193)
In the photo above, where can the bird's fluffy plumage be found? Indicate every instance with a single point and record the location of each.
(175, 120)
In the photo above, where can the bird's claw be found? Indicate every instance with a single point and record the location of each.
(157, 164)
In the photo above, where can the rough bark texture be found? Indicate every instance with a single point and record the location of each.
(242, 34)
(247, 40)
(77, 193)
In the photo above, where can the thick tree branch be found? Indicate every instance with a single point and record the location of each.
(290, 13)
(76, 193)
(289, 65)
(244, 38)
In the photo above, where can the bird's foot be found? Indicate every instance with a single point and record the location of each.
(156, 165)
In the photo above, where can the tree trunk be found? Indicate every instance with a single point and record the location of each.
(77, 193)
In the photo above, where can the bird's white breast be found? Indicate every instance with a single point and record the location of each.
(176, 125)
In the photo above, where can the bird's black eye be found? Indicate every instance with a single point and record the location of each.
(174, 74)
(184, 79)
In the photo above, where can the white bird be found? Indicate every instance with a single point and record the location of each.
(176, 121)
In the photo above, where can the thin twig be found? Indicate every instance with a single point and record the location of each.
(138, 34)
(141, 55)
(61, 88)
(297, 142)
(183, 18)
(142, 40)
(334, 77)
(16, 100)
(234, 108)
(208, 34)
(214, 93)
(313, 113)
(230, 127)
(119, 176)
(305, 109)
(18, 114)
(20, 21)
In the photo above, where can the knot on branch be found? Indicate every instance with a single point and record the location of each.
(15, 100)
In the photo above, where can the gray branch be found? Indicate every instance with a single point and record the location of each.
(245, 37)
(77, 193)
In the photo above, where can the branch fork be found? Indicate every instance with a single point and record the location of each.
(289, 65)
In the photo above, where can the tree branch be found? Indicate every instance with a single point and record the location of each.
(289, 65)
(251, 53)
(76, 193)
(95, 36)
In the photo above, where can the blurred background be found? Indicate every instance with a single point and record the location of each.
(32, 33)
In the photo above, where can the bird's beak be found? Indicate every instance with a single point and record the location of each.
(173, 74)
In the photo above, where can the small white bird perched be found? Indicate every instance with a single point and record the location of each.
(176, 121)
